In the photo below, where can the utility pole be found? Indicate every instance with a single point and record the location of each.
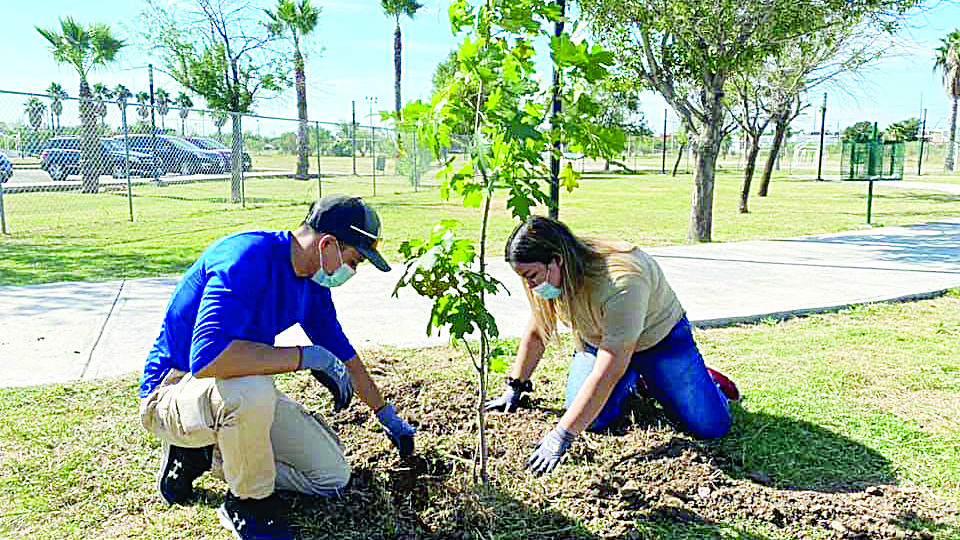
(353, 134)
(823, 124)
(923, 138)
(554, 116)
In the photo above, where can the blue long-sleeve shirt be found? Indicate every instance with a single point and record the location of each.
(242, 287)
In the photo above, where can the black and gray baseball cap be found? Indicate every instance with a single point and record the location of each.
(352, 221)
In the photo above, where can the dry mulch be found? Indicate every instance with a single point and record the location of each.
(637, 482)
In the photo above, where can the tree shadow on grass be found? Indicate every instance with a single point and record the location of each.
(792, 454)
(33, 263)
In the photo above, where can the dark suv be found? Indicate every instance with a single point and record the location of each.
(177, 155)
(208, 143)
(60, 158)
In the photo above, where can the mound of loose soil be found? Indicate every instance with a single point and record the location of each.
(641, 481)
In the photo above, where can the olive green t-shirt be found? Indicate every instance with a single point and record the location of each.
(637, 305)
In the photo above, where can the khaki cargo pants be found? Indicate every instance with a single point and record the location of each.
(262, 439)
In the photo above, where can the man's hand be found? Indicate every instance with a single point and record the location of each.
(549, 451)
(331, 372)
(509, 400)
(399, 431)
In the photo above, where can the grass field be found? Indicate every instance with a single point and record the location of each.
(67, 236)
(835, 405)
(848, 428)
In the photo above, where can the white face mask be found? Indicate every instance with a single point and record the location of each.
(339, 276)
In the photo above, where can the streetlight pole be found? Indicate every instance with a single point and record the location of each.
(373, 143)
(823, 128)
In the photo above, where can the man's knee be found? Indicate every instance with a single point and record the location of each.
(247, 397)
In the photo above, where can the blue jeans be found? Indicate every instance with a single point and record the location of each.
(675, 376)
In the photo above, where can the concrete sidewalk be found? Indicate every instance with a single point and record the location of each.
(71, 331)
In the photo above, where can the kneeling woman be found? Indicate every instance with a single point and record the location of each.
(629, 329)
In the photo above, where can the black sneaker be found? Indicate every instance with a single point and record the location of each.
(179, 467)
(253, 519)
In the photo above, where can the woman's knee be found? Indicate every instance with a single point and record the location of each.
(713, 429)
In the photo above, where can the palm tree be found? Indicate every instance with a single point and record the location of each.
(184, 102)
(396, 9)
(101, 93)
(296, 18)
(86, 48)
(948, 63)
(143, 110)
(56, 94)
(162, 100)
(35, 110)
(122, 95)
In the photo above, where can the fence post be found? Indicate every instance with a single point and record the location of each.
(3, 215)
(416, 159)
(126, 161)
(319, 174)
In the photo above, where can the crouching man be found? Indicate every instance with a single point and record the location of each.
(207, 389)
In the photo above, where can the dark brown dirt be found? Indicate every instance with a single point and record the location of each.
(645, 480)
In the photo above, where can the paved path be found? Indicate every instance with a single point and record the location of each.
(69, 331)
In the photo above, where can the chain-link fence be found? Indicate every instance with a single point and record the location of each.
(119, 152)
(124, 150)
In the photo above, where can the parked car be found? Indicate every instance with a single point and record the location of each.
(60, 158)
(6, 168)
(178, 155)
(208, 143)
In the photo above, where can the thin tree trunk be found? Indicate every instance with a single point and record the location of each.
(948, 161)
(780, 131)
(303, 164)
(676, 164)
(89, 157)
(484, 340)
(397, 44)
(236, 167)
(707, 149)
(753, 148)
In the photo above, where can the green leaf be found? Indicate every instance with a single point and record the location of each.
(569, 178)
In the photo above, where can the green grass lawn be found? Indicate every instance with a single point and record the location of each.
(833, 403)
(66, 236)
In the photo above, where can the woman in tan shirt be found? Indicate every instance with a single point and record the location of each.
(629, 330)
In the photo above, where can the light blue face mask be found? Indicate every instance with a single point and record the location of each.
(547, 290)
(339, 276)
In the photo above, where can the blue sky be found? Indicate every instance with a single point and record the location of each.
(351, 58)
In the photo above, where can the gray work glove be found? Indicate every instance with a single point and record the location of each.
(509, 400)
(399, 431)
(549, 451)
(331, 372)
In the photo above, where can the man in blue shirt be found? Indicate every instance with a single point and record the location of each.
(207, 387)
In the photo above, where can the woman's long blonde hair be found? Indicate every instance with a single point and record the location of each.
(585, 263)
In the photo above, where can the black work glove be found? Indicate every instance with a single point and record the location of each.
(509, 400)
